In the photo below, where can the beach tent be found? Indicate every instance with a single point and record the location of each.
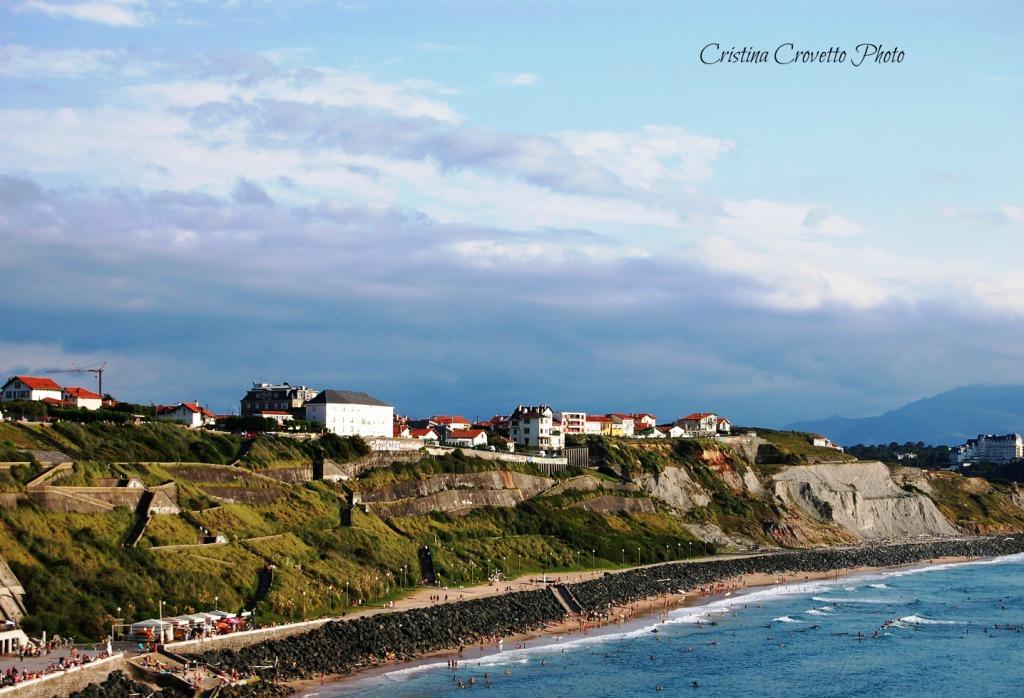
(153, 629)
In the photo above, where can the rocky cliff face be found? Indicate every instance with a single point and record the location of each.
(675, 487)
(861, 498)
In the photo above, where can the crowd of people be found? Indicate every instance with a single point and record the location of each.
(16, 675)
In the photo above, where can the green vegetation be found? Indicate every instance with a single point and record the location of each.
(793, 448)
(975, 504)
(926, 456)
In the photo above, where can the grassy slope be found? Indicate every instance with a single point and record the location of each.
(77, 572)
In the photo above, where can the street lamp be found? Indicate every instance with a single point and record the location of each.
(623, 557)
(638, 556)
(592, 565)
(689, 552)
(348, 602)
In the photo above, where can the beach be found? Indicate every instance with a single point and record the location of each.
(624, 618)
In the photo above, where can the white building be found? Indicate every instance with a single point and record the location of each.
(644, 420)
(428, 434)
(466, 438)
(30, 388)
(990, 448)
(533, 426)
(279, 416)
(622, 424)
(704, 424)
(350, 413)
(672, 431)
(449, 421)
(191, 414)
(825, 442)
(573, 422)
(81, 398)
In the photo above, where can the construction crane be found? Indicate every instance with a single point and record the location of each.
(98, 369)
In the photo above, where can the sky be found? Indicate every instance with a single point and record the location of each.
(462, 206)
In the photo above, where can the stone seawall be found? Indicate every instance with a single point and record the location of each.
(340, 647)
(236, 641)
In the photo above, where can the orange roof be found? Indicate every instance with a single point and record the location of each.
(274, 412)
(36, 383)
(465, 433)
(597, 418)
(53, 401)
(193, 407)
(82, 393)
(420, 433)
(449, 418)
(700, 415)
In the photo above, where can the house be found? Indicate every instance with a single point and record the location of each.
(650, 433)
(279, 416)
(449, 421)
(276, 397)
(81, 398)
(598, 424)
(644, 420)
(533, 426)
(351, 413)
(573, 422)
(466, 438)
(427, 434)
(30, 388)
(399, 430)
(704, 424)
(191, 414)
(622, 424)
(824, 442)
(672, 431)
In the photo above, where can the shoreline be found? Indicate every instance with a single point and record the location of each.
(625, 618)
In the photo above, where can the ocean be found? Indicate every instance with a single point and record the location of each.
(943, 630)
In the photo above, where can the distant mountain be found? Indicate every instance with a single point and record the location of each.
(948, 418)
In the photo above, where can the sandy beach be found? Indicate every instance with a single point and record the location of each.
(620, 618)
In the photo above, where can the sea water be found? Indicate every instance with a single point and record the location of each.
(942, 630)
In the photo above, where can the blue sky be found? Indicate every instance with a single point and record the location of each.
(460, 206)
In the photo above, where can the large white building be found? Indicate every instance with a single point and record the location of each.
(989, 448)
(350, 413)
(30, 388)
(534, 426)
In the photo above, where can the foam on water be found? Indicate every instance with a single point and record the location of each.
(921, 620)
(787, 619)
(815, 612)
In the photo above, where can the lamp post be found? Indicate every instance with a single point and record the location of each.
(348, 601)
(330, 600)
(623, 557)
(216, 601)
(638, 556)
(161, 621)
(519, 564)
(303, 604)
(667, 556)
(592, 553)
(689, 552)
(118, 621)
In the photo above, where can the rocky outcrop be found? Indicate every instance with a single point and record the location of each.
(675, 487)
(589, 483)
(862, 498)
(614, 504)
(528, 485)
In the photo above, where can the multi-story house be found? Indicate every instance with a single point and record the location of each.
(350, 413)
(81, 398)
(280, 397)
(622, 424)
(30, 388)
(573, 422)
(644, 420)
(598, 424)
(534, 426)
(704, 424)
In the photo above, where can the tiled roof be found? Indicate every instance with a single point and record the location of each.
(699, 415)
(449, 419)
(36, 383)
(465, 433)
(83, 393)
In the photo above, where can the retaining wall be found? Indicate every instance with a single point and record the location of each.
(235, 641)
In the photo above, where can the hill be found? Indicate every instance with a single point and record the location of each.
(292, 548)
(946, 419)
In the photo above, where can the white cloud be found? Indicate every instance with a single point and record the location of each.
(17, 60)
(517, 79)
(116, 13)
